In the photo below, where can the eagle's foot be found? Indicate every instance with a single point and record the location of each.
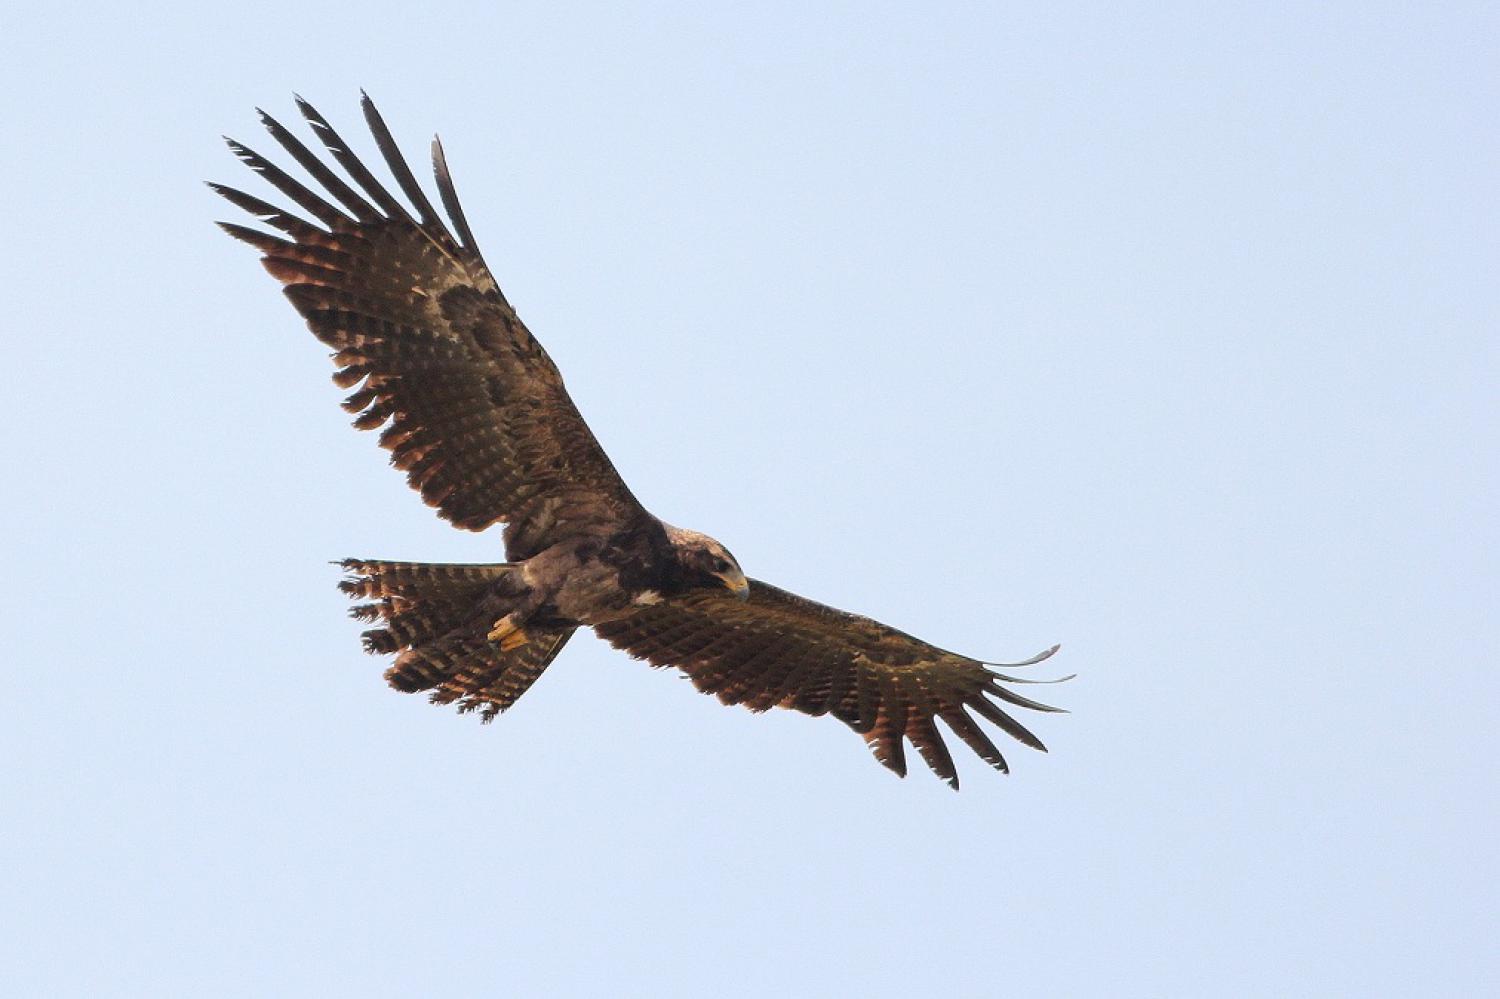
(508, 635)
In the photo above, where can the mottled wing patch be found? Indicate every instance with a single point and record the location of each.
(781, 650)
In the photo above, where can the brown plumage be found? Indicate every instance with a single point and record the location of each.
(474, 411)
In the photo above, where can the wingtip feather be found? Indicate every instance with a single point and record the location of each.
(1039, 657)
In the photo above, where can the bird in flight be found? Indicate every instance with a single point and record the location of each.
(473, 410)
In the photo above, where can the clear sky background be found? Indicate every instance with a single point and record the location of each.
(1164, 331)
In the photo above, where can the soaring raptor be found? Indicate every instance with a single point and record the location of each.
(474, 411)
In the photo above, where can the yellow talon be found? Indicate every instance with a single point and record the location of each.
(508, 634)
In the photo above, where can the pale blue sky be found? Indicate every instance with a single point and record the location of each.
(1167, 332)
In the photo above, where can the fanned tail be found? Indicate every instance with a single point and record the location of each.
(433, 619)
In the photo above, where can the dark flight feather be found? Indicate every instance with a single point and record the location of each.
(397, 163)
(306, 199)
(351, 163)
(315, 167)
(450, 198)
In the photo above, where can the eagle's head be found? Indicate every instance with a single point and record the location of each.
(705, 563)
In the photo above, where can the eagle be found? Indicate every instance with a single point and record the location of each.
(473, 410)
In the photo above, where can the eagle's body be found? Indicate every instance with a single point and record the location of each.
(475, 412)
(593, 581)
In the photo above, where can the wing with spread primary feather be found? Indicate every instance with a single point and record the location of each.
(777, 649)
(471, 406)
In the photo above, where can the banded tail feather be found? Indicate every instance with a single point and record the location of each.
(435, 619)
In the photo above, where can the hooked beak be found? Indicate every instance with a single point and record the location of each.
(736, 583)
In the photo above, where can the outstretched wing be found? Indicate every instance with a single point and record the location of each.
(473, 409)
(777, 649)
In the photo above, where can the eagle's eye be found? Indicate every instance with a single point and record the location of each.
(720, 565)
